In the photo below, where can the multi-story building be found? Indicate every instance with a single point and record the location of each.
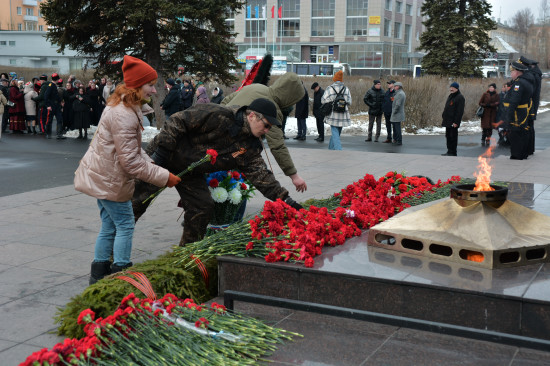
(371, 36)
(21, 15)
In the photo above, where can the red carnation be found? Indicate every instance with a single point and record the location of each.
(86, 316)
(402, 188)
(390, 174)
(213, 155)
(214, 183)
(309, 262)
(244, 186)
(236, 175)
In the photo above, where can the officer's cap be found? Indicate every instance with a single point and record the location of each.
(524, 60)
(518, 66)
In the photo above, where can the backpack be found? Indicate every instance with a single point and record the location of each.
(337, 105)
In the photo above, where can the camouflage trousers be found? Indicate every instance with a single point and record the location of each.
(196, 201)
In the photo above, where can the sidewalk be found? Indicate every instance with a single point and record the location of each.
(47, 241)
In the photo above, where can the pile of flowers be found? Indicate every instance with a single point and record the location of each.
(282, 233)
(169, 331)
(229, 190)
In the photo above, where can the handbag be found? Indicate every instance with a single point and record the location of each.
(10, 104)
(480, 111)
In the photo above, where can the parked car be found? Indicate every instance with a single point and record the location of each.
(546, 75)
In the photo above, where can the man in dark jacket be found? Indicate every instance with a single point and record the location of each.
(387, 108)
(187, 94)
(301, 114)
(172, 102)
(516, 115)
(319, 118)
(48, 101)
(533, 69)
(374, 99)
(234, 132)
(452, 116)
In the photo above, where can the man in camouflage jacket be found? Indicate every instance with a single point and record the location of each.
(285, 92)
(234, 132)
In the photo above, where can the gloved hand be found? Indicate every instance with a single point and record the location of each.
(289, 201)
(172, 180)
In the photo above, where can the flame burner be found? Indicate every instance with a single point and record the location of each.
(465, 195)
(477, 228)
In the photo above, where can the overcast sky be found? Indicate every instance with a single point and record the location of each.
(507, 8)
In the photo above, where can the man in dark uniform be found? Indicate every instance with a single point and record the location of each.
(533, 69)
(319, 118)
(234, 132)
(49, 103)
(518, 105)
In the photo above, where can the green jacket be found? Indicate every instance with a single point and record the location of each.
(285, 92)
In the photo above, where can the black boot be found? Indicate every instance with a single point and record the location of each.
(116, 268)
(34, 130)
(99, 270)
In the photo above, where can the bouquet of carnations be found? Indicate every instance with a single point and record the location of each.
(230, 190)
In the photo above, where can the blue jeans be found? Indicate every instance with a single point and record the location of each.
(334, 143)
(302, 127)
(396, 131)
(117, 230)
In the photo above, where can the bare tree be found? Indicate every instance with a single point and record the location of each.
(544, 12)
(521, 21)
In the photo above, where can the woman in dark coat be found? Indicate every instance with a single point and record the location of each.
(489, 101)
(95, 99)
(68, 98)
(17, 113)
(82, 113)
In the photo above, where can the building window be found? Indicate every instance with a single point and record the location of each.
(357, 20)
(398, 7)
(41, 28)
(255, 18)
(322, 18)
(387, 27)
(29, 11)
(418, 11)
(409, 9)
(11, 43)
(289, 25)
(397, 33)
(19, 26)
(30, 26)
(3, 43)
(55, 62)
(13, 61)
(230, 20)
(388, 5)
(408, 35)
(19, 11)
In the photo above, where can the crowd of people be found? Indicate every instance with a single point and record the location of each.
(32, 106)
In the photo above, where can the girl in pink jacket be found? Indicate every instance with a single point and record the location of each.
(113, 160)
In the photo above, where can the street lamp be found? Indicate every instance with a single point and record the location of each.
(381, 62)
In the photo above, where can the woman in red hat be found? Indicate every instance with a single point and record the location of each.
(113, 160)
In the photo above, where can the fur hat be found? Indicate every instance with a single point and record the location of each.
(55, 76)
(493, 85)
(339, 76)
(170, 81)
(137, 73)
(43, 77)
(314, 85)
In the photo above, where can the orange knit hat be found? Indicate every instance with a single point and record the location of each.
(137, 73)
(339, 76)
